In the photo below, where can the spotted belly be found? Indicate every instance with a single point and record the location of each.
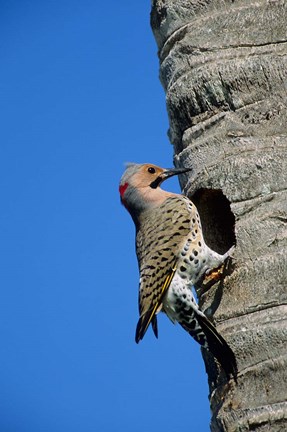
(180, 306)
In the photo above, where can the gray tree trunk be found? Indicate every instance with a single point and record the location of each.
(223, 65)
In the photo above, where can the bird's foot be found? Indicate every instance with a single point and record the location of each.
(214, 275)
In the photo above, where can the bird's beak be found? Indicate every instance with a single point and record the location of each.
(172, 172)
(167, 174)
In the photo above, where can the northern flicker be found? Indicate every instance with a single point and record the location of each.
(172, 257)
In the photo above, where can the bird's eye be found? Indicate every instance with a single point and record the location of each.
(151, 170)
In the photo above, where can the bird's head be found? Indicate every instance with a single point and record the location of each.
(140, 186)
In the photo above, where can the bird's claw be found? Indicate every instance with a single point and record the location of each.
(214, 275)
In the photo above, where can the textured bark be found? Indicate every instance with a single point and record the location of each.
(223, 65)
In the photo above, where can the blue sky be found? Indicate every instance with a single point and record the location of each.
(80, 96)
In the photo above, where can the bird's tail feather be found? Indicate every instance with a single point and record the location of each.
(206, 335)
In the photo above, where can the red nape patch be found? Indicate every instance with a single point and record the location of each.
(122, 189)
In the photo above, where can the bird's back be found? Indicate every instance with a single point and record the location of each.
(161, 237)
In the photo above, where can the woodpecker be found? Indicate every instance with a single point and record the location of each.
(172, 257)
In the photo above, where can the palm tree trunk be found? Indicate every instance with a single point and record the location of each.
(223, 65)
